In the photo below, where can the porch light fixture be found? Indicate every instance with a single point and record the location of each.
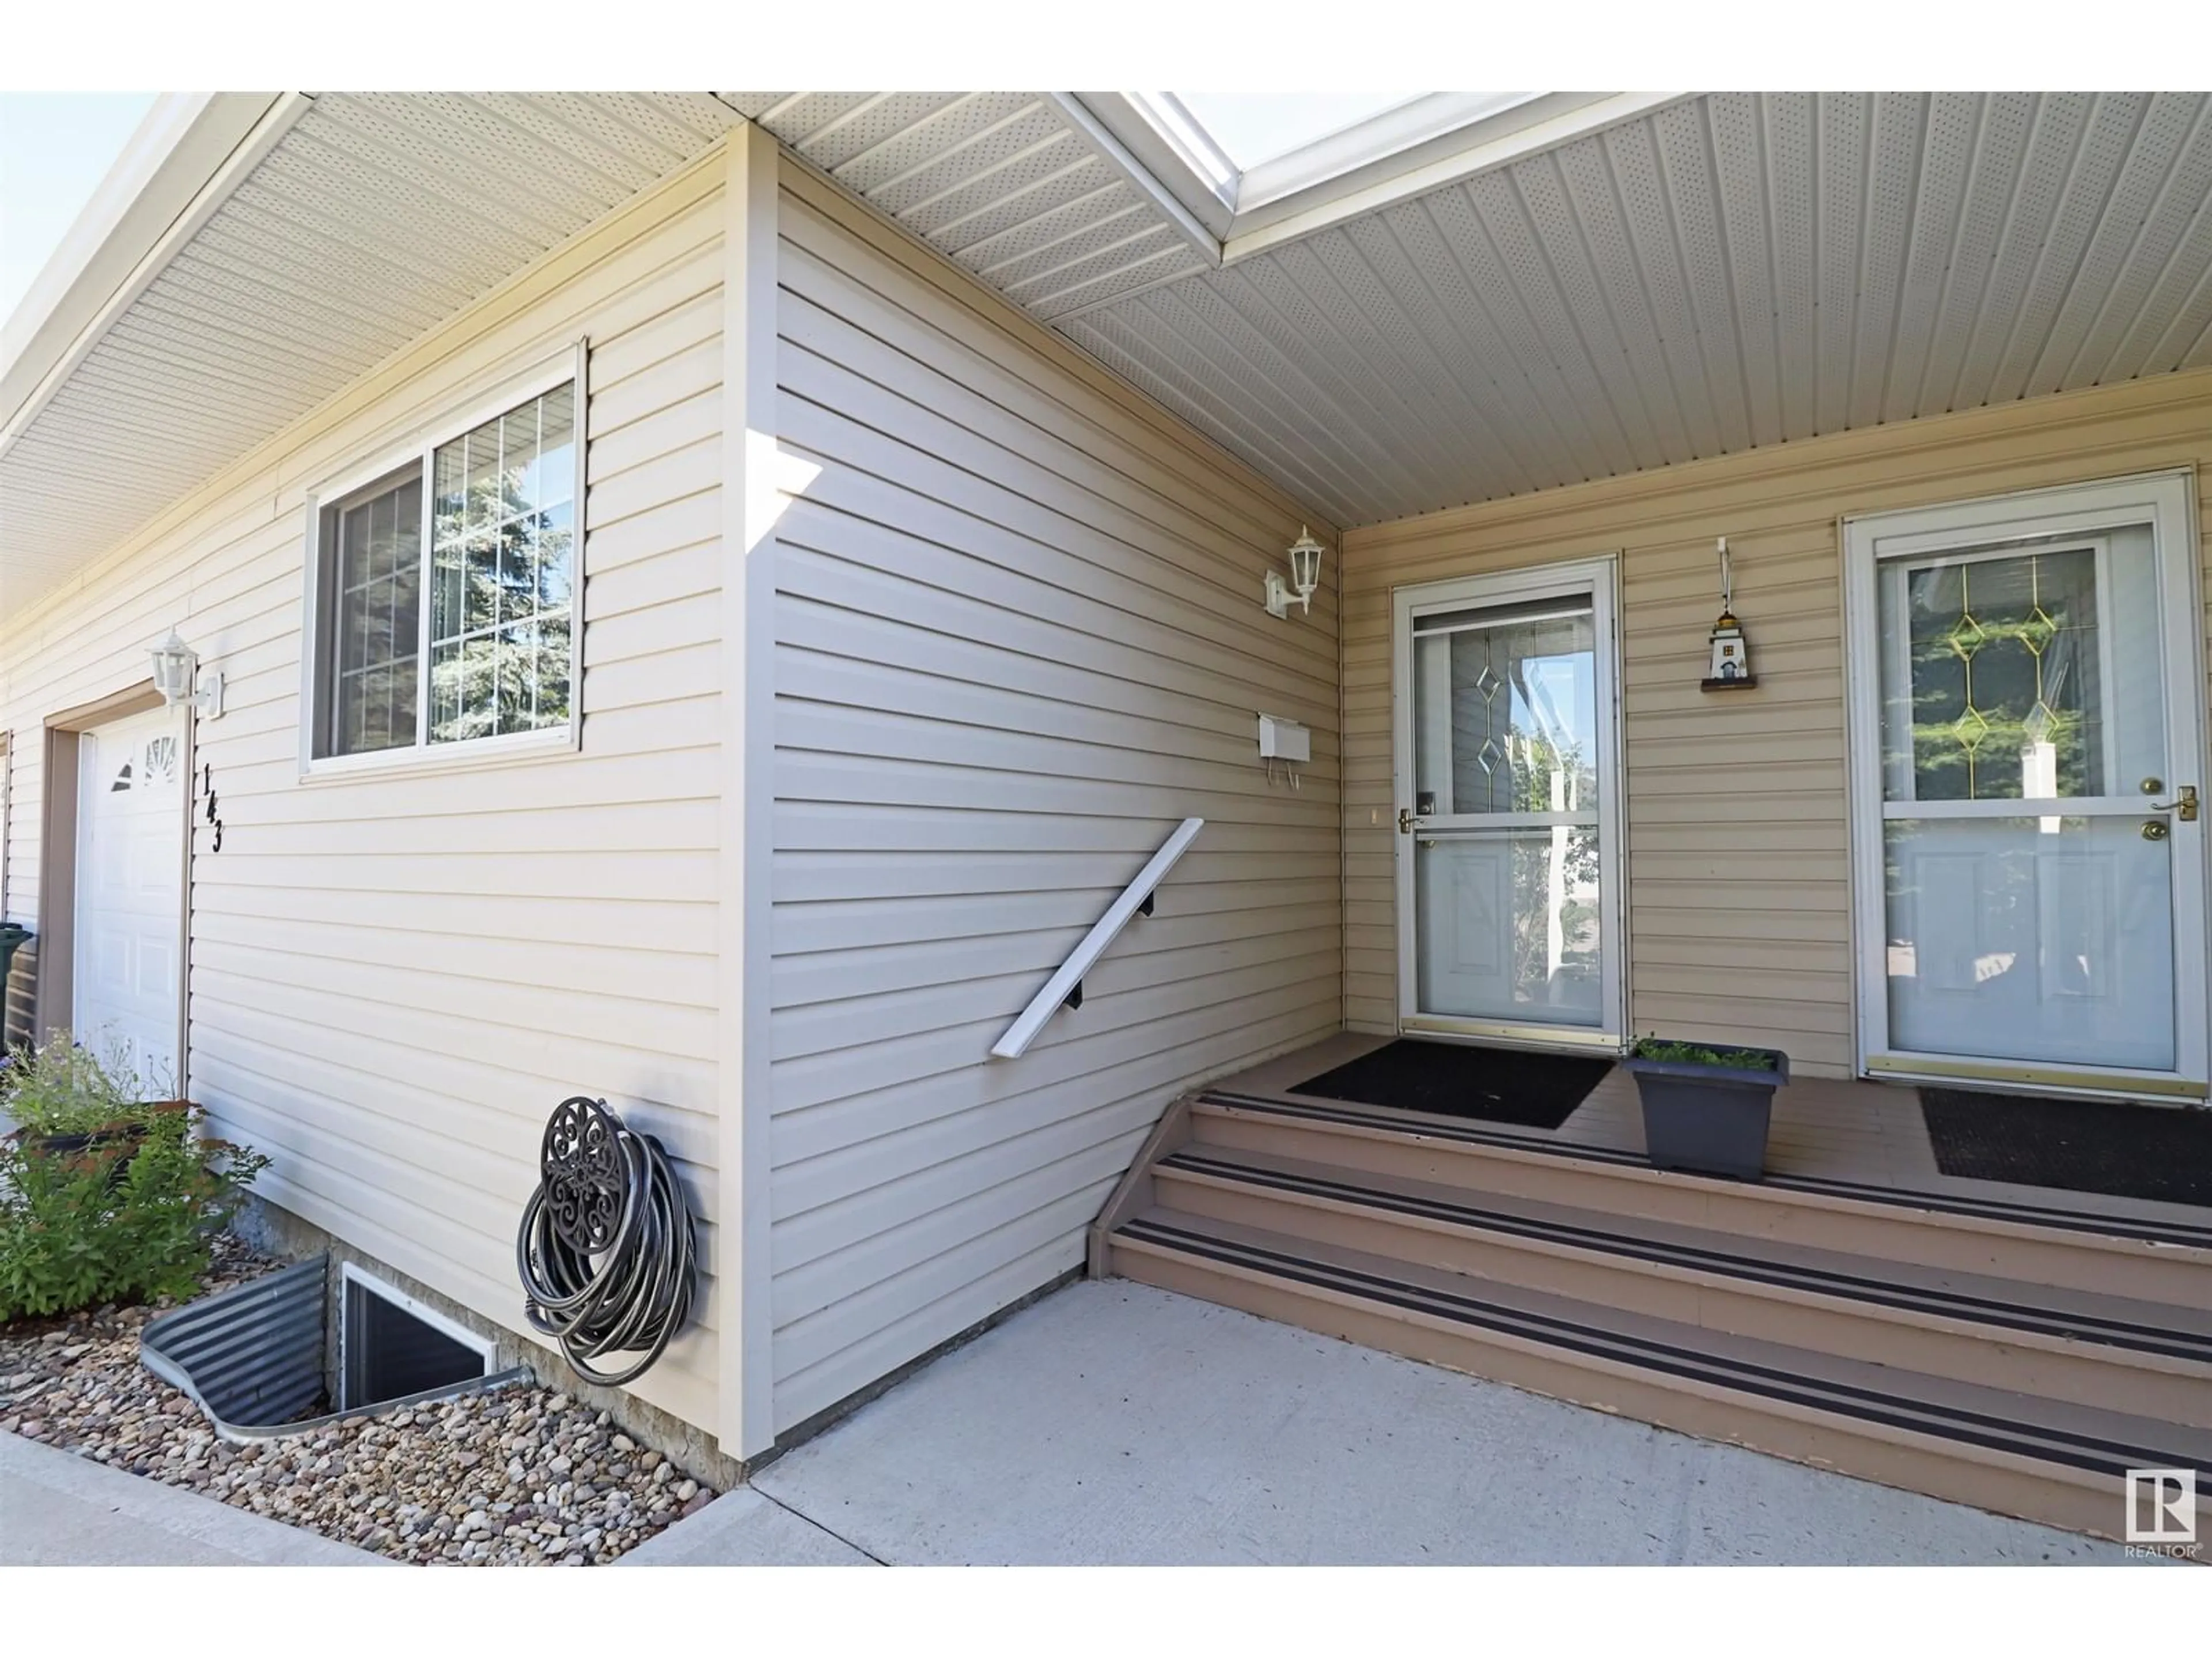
(175, 667)
(1731, 651)
(1306, 576)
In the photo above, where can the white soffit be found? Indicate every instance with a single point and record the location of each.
(1726, 271)
(1022, 188)
(1539, 289)
(371, 218)
(1568, 287)
(1417, 145)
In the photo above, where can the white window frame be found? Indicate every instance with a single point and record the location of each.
(351, 1273)
(421, 450)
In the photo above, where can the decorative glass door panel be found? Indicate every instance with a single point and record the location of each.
(1506, 755)
(2041, 888)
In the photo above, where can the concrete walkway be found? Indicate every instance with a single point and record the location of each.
(58, 1509)
(1113, 1423)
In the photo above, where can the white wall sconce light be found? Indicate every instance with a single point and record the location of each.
(1306, 576)
(176, 668)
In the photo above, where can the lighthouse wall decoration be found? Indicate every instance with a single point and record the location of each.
(1731, 652)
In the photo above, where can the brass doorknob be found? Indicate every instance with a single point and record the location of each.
(2183, 806)
(2154, 830)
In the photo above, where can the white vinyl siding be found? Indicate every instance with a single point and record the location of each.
(1019, 636)
(395, 979)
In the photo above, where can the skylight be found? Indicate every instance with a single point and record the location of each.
(1249, 170)
(1253, 127)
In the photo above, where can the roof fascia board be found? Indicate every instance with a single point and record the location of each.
(1393, 140)
(1168, 116)
(1526, 130)
(180, 165)
(1157, 161)
(128, 189)
(124, 189)
(1428, 143)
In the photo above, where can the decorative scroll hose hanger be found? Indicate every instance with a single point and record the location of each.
(605, 1250)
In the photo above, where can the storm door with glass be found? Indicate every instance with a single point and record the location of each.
(1508, 786)
(2031, 852)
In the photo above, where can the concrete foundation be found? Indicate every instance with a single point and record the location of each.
(278, 1232)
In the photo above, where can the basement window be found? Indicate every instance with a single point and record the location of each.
(391, 1347)
(444, 593)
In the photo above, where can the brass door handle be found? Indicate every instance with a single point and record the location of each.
(2183, 806)
(1407, 820)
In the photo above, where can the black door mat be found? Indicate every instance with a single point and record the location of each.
(1497, 1085)
(2162, 1153)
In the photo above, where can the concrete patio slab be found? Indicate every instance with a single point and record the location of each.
(58, 1509)
(1115, 1423)
(744, 1528)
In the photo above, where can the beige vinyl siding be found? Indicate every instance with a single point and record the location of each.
(1738, 861)
(395, 977)
(1018, 637)
(7, 829)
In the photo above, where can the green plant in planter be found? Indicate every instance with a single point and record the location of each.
(103, 1197)
(1695, 1054)
(64, 1087)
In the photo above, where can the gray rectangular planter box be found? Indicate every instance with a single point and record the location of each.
(1708, 1120)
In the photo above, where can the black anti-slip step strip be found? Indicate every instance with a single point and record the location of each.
(2112, 1332)
(2035, 1215)
(2087, 1452)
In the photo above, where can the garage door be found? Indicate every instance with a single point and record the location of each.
(130, 895)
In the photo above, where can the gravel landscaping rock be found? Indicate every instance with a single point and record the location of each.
(519, 1476)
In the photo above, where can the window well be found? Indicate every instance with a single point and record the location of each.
(257, 1359)
(390, 1347)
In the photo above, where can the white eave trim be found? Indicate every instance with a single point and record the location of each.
(1199, 213)
(1531, 124)
(1383, 139)
(1178, 173)
(1423, 144)
(180, 164)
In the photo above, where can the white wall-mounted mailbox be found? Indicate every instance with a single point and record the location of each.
(1285, 740)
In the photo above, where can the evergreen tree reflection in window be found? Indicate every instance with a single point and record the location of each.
(2005, 698)
(502, 561)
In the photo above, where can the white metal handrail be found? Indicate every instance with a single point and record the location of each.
(1066, 986)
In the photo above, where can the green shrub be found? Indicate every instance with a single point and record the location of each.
(64, 1087)
(104, 1198)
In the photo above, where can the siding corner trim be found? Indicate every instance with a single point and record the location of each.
(747, 795)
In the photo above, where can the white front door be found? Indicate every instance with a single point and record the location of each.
(2029, 727)
(128, 984)
(1508, 783)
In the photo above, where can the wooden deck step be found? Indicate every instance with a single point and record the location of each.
(2152, 1359)
(2012, 1451)
(2156, 1257)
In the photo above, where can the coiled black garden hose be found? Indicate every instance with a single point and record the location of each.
(605, 1250)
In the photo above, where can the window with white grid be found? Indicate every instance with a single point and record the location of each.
(501, 532)
(379, 592)
(448, 586)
